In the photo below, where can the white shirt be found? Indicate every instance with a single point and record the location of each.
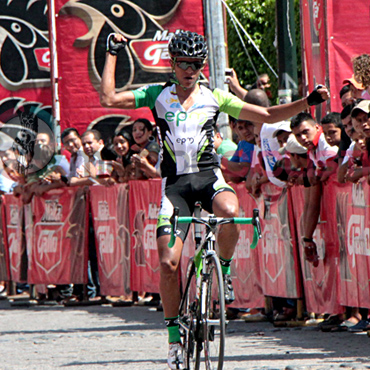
(270, 154)
(322, 152)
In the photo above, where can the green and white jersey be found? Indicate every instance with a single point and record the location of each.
(186, 137)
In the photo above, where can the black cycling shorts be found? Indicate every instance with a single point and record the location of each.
(183, 191)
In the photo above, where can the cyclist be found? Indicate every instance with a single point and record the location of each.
(185, 113)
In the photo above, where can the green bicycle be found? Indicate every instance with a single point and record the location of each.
(202, 317)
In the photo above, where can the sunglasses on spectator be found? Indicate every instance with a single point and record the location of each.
(195, 66)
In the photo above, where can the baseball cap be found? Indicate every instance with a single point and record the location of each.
(284, 126)
(353, 82)
(363, 106)
(293, 146)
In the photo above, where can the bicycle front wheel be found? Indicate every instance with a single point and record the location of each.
(214, 316)
(189, 321)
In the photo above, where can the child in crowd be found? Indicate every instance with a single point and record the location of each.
(146, 150)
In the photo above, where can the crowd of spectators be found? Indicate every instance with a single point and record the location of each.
(303, 151)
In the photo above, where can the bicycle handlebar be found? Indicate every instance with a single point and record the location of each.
(213, 221)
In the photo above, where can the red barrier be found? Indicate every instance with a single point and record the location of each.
(110, 214)
(246, 271)
(15, 238)
(4, 256)
(278, 259)
(56, 229)
(320, 283)
(353, 232)
(145, 197)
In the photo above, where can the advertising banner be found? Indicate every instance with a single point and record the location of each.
(145, 197)
(353, 219)
(15, 238)
(245, 269)
(110, 214)
(4, 256)
(24, 60)
(56, 229)
(278, 257)
(82, 28)
(321, 283)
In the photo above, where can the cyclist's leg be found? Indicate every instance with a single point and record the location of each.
(169, 259)
(174, 192)
(226, 204)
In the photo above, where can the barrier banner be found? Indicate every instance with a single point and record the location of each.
(245, 269)
(57, 227)
(145, 197)
(4, 257)
(82, 29)
(15, 238)
(110, 214)
(321, 284)
(278, 257)
(353, 219)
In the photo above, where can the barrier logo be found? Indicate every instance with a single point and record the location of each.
(110, 253)
(24, 44)
(358, 238)
(141, 22)
(272, 247)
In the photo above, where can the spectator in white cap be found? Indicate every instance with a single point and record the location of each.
(290, 168)
(282, 133)
(360, 117)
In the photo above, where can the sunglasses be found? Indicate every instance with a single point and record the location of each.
(195, 66)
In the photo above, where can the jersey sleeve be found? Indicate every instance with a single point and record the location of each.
(147, 95)
(228, 103)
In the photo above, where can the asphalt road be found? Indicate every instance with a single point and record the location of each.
(106, 337)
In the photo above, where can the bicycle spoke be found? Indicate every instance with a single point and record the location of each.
(214, 318)
(189, 323)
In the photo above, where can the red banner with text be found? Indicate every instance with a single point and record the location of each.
(4, 256)
(321, 284)
(56, 230)
(15, 238)
(82, 29)
(145, 198)
(245, 269)
(110, 214)
(353, 220)
(278, 258)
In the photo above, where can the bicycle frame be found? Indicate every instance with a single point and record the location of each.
(202, 316)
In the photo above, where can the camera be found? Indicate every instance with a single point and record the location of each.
(228, 71)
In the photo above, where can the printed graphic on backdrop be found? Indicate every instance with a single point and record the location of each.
(354, 234)
(25, 128)
(82, 28)
(57, 246)
(24, 44)
(15, 235)
(140, 22)
(109, 208)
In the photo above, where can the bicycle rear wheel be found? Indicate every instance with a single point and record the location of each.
(189, 321)
(214, 316)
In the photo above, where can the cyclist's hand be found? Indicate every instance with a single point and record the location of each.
(318, 96)
(115, 43)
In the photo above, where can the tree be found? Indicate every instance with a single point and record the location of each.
(259, 20)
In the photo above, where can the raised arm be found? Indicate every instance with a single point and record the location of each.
(109, 98)
(282, 112)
